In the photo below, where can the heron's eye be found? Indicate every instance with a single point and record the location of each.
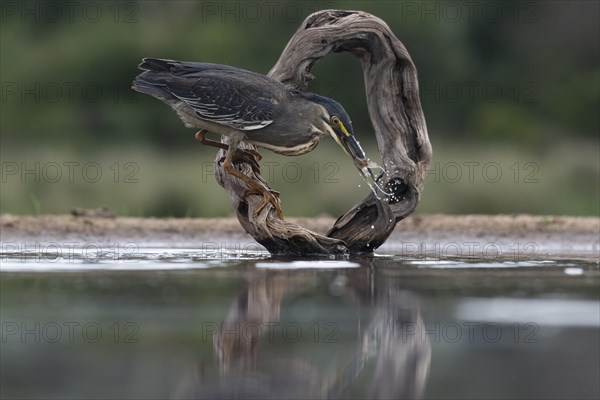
(335, 120)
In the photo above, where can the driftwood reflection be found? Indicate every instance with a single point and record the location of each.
(398, 358)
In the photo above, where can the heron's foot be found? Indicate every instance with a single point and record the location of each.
(256, 188)
(250, 157)
(269, 196)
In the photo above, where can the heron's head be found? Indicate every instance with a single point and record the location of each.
(336, 122)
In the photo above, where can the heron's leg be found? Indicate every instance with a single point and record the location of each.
(250, 157)
(255, 188)
(201, 137)
(243, 156)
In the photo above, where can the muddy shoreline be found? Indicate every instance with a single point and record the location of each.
(550, 236)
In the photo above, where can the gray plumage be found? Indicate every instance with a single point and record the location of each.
(245, 105)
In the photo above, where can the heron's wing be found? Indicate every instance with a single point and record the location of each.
(228, 100)
(225, 95)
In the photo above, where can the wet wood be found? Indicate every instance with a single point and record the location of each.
(395, 110)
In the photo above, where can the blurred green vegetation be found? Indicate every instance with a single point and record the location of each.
(505, 86)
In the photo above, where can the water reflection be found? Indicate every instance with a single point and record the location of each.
(182, 323)
(398, 361)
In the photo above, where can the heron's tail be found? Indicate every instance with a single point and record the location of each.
(157, 64)
(151, 84)
(155, 78)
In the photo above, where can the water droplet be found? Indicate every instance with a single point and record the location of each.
(372, 226)
(358, 185)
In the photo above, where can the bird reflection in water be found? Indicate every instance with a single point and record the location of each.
(387, 355)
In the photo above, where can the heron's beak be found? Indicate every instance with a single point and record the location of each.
(348, 142)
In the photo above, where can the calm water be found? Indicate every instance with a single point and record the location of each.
(179, 323)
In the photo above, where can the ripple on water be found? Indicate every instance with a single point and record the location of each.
(141, 259)
(188, 258)
(461, 264)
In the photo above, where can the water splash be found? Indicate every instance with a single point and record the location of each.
(366, 171)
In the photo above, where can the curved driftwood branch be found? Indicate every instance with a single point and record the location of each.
(395, 110)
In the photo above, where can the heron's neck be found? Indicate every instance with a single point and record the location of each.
(315, 98)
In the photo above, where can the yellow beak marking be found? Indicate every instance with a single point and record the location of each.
(337, 140)
(343, 128)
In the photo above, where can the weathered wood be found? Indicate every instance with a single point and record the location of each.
(395, 111)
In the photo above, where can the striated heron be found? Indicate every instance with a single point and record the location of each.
(248, 106)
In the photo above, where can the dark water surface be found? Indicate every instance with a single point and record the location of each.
(178, 323)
